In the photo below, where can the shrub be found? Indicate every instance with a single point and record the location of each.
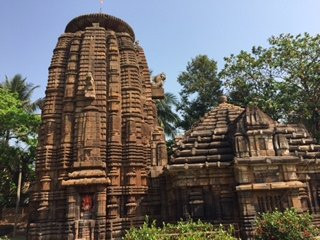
(148, 231)
(287, 225)
(4, 238)
(181, 231)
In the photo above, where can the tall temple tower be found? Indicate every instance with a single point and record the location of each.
(100, 142)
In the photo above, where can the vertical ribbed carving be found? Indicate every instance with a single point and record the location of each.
(96, 137)
(147, 107)
(47, 192)
(114, 147)
(132, 118)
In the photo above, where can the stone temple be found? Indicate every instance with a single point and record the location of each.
(102, 163)
(100, 139)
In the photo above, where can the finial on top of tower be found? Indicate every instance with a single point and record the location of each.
(223, 99)
(101, 5)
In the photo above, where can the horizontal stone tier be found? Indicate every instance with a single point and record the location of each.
(204, 158)
(267, 160)
(271, 186)
(179, 167)
(197, 151)
(85, 182)
(126, 190)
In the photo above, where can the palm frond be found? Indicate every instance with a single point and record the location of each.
(167, 118)
(24, 90)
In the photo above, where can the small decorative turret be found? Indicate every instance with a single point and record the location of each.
(223, 99)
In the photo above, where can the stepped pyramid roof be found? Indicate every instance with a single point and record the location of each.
(211, 140)
(207, 141)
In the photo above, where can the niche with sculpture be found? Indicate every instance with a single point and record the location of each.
(87, 206)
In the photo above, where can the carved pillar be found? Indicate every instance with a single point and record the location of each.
(315, 191)
(101, 198)
(72, 213)
(295, 199)
(247, 214)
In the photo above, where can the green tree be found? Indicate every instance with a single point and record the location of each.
(18, 140)
(15, 122)
(201, 89)
(282, 79)
(24, 147)
(167, 118)
(23, 89)
(287, 225)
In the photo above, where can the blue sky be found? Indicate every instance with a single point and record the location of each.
(170, 31)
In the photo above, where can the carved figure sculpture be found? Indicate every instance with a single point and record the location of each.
(158, 81)
(86, 203)
(89, 90)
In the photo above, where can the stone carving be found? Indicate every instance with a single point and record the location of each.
(89, 90)
(157, 86)
(86, 203)
(158, 81)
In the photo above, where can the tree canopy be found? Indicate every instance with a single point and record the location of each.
(18, 140)
(201, 89)
(19, 86)
(15, 122)
(282, 79)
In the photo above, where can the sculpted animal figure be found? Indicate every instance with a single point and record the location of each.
(158, 81)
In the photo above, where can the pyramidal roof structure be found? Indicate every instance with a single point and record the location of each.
(207, 141)
(211, 141)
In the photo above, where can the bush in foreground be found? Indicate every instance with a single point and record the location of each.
(181, 231)
(287, 225)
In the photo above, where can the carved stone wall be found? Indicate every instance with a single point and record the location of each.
(200, 176)
(236, 163)
(99, 138)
